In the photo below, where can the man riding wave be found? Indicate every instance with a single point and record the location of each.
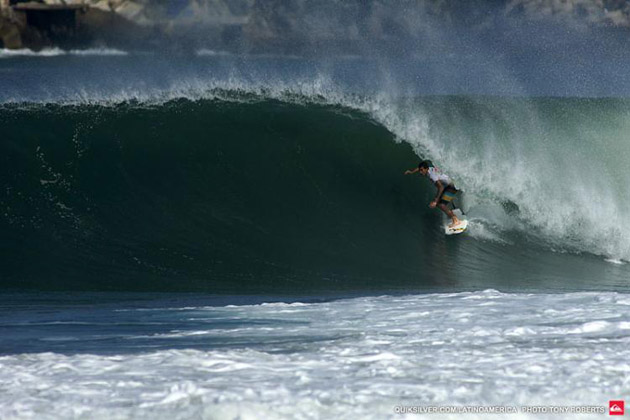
(446, 190)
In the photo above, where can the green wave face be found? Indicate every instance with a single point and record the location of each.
(203, 195)
(266, 196)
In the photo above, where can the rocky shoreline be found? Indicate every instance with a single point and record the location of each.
(46, 24)
(288, 26)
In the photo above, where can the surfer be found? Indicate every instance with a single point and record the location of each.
(445, 188)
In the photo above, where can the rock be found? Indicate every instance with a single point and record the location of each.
(130, 10)
(104, 5)
(10, 35)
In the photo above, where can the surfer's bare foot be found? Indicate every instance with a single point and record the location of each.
(454, 223)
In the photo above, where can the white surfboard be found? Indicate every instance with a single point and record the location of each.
(459, 228)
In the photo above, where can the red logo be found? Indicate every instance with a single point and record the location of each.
(616, 408)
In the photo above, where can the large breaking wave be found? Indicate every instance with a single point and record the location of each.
(257, 190)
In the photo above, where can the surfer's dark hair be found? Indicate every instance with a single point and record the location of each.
(425, 164)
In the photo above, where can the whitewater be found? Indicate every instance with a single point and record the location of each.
(306, 360)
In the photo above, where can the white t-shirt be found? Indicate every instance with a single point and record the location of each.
(436, 175)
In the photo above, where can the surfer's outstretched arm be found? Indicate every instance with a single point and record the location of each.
(412, 171)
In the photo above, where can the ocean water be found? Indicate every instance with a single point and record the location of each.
(123, 356)
(233, 237)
